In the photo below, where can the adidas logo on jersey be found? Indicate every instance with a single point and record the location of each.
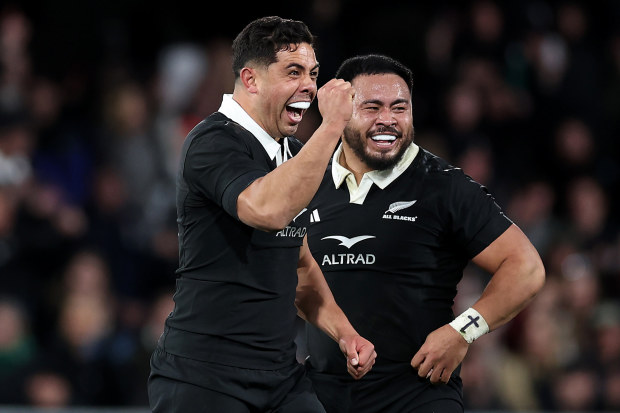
(314, 216)
(390, 213)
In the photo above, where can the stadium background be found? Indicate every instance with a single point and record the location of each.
(96, 97)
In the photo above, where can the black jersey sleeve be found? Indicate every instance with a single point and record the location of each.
(477, 220)
(220, 164)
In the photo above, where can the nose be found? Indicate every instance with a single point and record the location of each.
(385, 117)
(308, 85)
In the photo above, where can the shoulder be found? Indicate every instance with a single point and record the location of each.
(218, 132)
(216, 125)
(216, 139)
(434, 167)
(433, 163)
(436, 176)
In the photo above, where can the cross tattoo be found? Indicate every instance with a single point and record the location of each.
(472, 321)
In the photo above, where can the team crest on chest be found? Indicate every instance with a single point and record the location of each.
(393, 211)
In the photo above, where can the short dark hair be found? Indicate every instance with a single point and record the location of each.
(263, 38)
(374, 64)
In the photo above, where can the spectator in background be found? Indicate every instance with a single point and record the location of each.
(576, 388)
(579, 92)
(187, 78)
(149, 332)
(532, 205)
(216, 80)
(536, 346)
(47, 389)
(15, 35)
(63, 157)
(482, 376)
(131, 207)
(18, 346)
(606, 330)
(484, 31)
(131, 149)
(464, 111)
(581, 291)
(588, 215)
(611, 390)
(17, 142)
(84, 347)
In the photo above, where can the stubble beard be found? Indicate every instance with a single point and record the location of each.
(379, 161)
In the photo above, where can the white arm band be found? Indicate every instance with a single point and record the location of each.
(470, 325)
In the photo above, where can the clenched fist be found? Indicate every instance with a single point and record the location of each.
(336, 102)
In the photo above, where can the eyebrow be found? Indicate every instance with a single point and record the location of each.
(380, 102)
(301, 67)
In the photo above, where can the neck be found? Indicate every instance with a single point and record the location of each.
(244, 100)
(353, 163)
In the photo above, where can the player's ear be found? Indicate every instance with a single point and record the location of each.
(248, 78)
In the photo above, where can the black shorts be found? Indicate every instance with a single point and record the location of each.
(178, 384)
(400, 392)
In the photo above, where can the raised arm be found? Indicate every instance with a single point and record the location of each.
(316, 304)
(272, 201)
(518, 275)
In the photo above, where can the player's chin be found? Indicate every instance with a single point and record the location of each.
(381, 160)
(288, 127)
(289, 130)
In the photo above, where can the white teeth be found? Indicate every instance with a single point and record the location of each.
(300, 105)
(384, 138)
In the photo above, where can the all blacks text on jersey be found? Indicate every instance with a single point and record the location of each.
(398, 206)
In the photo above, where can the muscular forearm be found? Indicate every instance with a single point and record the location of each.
(272, 201)
(326, 316)
(518, 274)
(507, 294)
(316, 304)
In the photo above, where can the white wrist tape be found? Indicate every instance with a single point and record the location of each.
(470, 325)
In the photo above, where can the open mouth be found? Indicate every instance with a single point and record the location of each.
(296, 110)
(383, 140)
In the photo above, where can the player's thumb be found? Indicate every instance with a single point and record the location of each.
(348, 348)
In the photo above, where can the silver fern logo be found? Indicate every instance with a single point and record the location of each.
(397, 206)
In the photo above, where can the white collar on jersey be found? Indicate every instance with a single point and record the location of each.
(382, 179)
(234, 111)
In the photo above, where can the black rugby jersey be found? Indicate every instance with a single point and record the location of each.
(235, 289)
(393, 263)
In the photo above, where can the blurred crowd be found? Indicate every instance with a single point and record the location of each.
(523, 95)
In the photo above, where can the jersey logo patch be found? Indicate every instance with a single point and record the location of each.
(397, 206)
(349, 242)
(314, 216)
(348, 258)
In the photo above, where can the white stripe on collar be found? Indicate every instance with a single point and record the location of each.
(234, 111)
